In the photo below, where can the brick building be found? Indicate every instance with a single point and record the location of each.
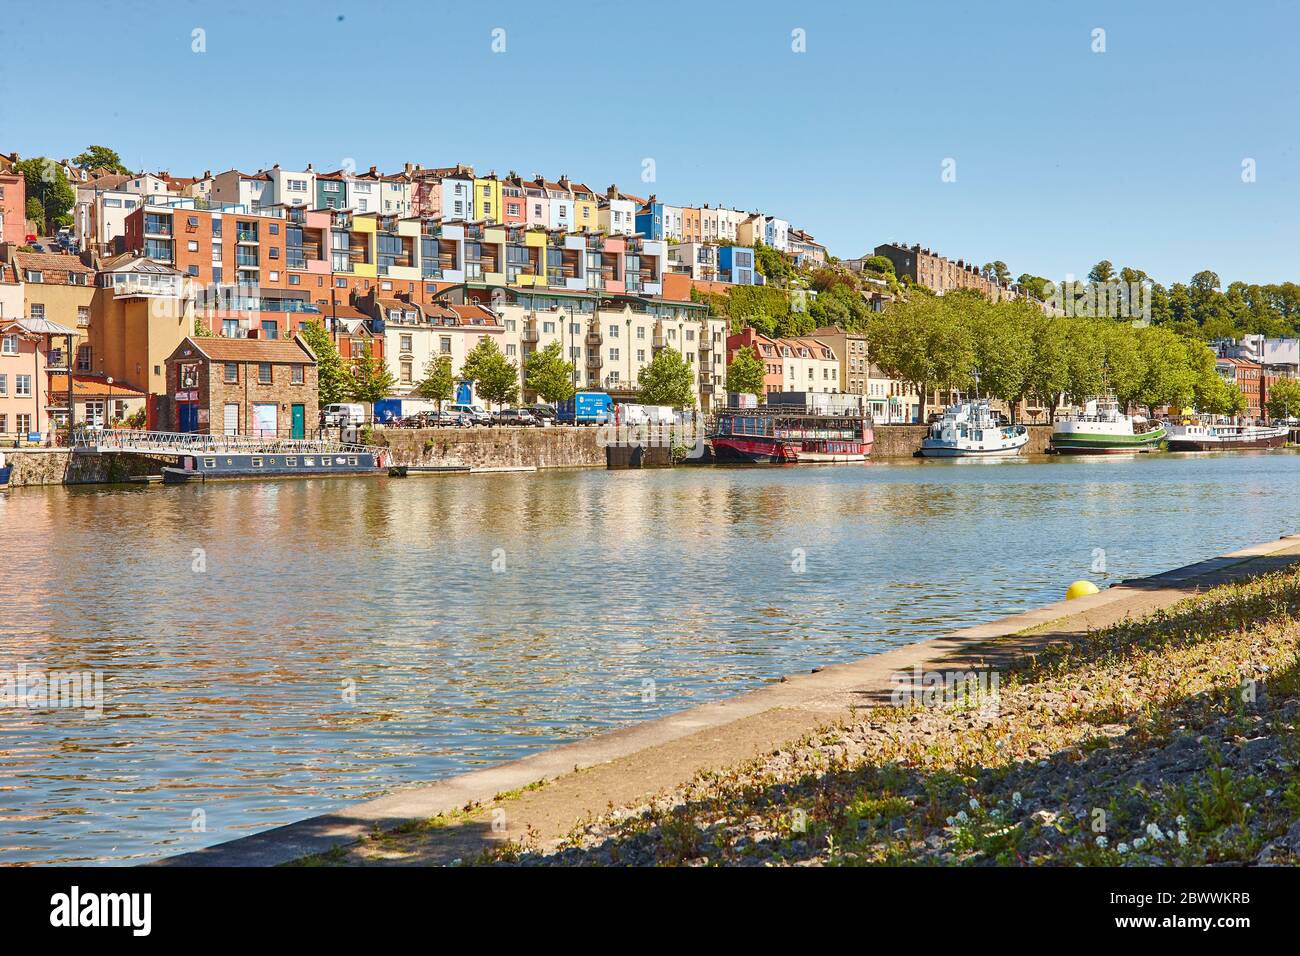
(13, 206)
(941, 274)
(264, 387)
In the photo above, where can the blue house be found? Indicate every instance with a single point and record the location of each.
(650, 219)
(736, 265)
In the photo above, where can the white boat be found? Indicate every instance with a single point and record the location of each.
(1101, 428)
(970, 430)
(1192, 435)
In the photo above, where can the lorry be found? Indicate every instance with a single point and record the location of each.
(388, 411)
(585, 408)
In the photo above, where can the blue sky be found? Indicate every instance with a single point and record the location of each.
(1063, 156)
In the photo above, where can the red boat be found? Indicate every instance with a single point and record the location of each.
(787, 436)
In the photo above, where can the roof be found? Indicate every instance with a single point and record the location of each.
(135, 262)
(51, 264)
(221, 349)
(92, 386)
(39, 327)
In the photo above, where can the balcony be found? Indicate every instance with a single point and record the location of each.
(246, 238)
(594, 337)
(594, 360)
(531, 335)
(707, 388)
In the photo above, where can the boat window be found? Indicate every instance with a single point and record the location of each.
(291, 460)
(209, 463)
(352, 461)
(257, 462)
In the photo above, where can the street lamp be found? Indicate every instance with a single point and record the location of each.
(108, 404)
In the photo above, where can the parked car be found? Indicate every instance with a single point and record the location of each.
(477, 413)
(545, 414)
(514, 416)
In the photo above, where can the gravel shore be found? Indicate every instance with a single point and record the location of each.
(1168, 740)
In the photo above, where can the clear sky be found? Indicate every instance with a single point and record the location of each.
(1063, 155)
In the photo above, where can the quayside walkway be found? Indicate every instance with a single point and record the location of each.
(119, 441)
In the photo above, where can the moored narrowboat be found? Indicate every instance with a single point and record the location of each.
(224, 467)
(788, 434)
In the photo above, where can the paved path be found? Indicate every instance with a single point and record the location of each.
(626, 766)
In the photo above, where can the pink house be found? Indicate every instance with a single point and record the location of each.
(31, 349)
(13, 206)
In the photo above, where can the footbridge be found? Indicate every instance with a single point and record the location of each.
(119, 441)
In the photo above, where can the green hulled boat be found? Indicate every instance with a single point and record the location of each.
(1102, 429)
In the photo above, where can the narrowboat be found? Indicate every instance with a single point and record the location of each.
(790, 434)
(971, 430)
(1191, 435)
(6, 470)
(223, 467)
(1103, 429)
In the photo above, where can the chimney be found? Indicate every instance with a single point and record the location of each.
(408, 168)
(310, 168)
(207, 174)
(374, 170)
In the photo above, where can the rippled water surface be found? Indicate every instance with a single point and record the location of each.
(273, 650)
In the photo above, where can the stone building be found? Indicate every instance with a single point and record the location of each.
(262, 387)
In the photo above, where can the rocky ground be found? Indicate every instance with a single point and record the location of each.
(1168, 740)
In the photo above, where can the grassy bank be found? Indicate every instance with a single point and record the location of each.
(1167, 740)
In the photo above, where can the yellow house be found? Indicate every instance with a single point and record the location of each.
(487, 198)
(364, 228)
(586, 208)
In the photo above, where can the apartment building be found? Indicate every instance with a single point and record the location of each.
(699, 260)
(805, 364)
(140, 312)
(618, 212)
(850, 350)
(808, 253)
(736, 264)
(941, 274)
(31, 351)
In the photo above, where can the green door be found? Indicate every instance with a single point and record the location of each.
(299, 421)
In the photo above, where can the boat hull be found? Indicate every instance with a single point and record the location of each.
(1082, 443)
(754, 451)
(5, 472)
(947, 451)
(1226, 444)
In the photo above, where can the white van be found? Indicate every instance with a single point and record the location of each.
(626, 413)
(477, 413)
(343, 413)
(660, 414)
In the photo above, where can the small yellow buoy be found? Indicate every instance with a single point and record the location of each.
(1079, 589)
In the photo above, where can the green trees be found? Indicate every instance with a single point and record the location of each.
(547, 374)
(438, 384)
(371, 379)
(49, 195)
(334, 384)
(667, 380)
(495, 377)
(926, 341)
(745, 373)
(1283, 398)
(100, 157)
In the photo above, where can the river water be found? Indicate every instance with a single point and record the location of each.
(274, 650)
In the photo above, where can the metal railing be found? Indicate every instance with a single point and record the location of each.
(190, 443)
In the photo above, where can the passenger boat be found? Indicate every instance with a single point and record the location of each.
(5, 471)
(1192, 435)
(1103, 429)
(220, 467)
(790, 434)
(970, 430)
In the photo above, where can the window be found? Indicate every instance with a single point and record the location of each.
(640, 355)
(613, 355)
(4, 388)
(510, 348)
(264, 373)
(406, 373)
(31, 275)
(216, 227)
(232, 373)
(22, 387)
(9, 345)
(192, 246)
(38, 310)
(405, 345)
(24, 423)
(4, 424)
(613, 331)
(298, 375)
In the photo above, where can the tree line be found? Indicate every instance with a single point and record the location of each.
(1013, 351)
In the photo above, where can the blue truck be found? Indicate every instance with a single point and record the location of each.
(585, 408)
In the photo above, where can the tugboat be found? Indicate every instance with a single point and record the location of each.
(970, 430)
(5, 471)
(785, 433)
(1193, 435)
(1103, 429)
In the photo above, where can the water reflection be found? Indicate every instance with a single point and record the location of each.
(345, 637)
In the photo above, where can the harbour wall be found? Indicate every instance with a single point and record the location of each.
(556, 447)
(54, 467)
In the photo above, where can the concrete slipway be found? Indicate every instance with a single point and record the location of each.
(625, 766)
